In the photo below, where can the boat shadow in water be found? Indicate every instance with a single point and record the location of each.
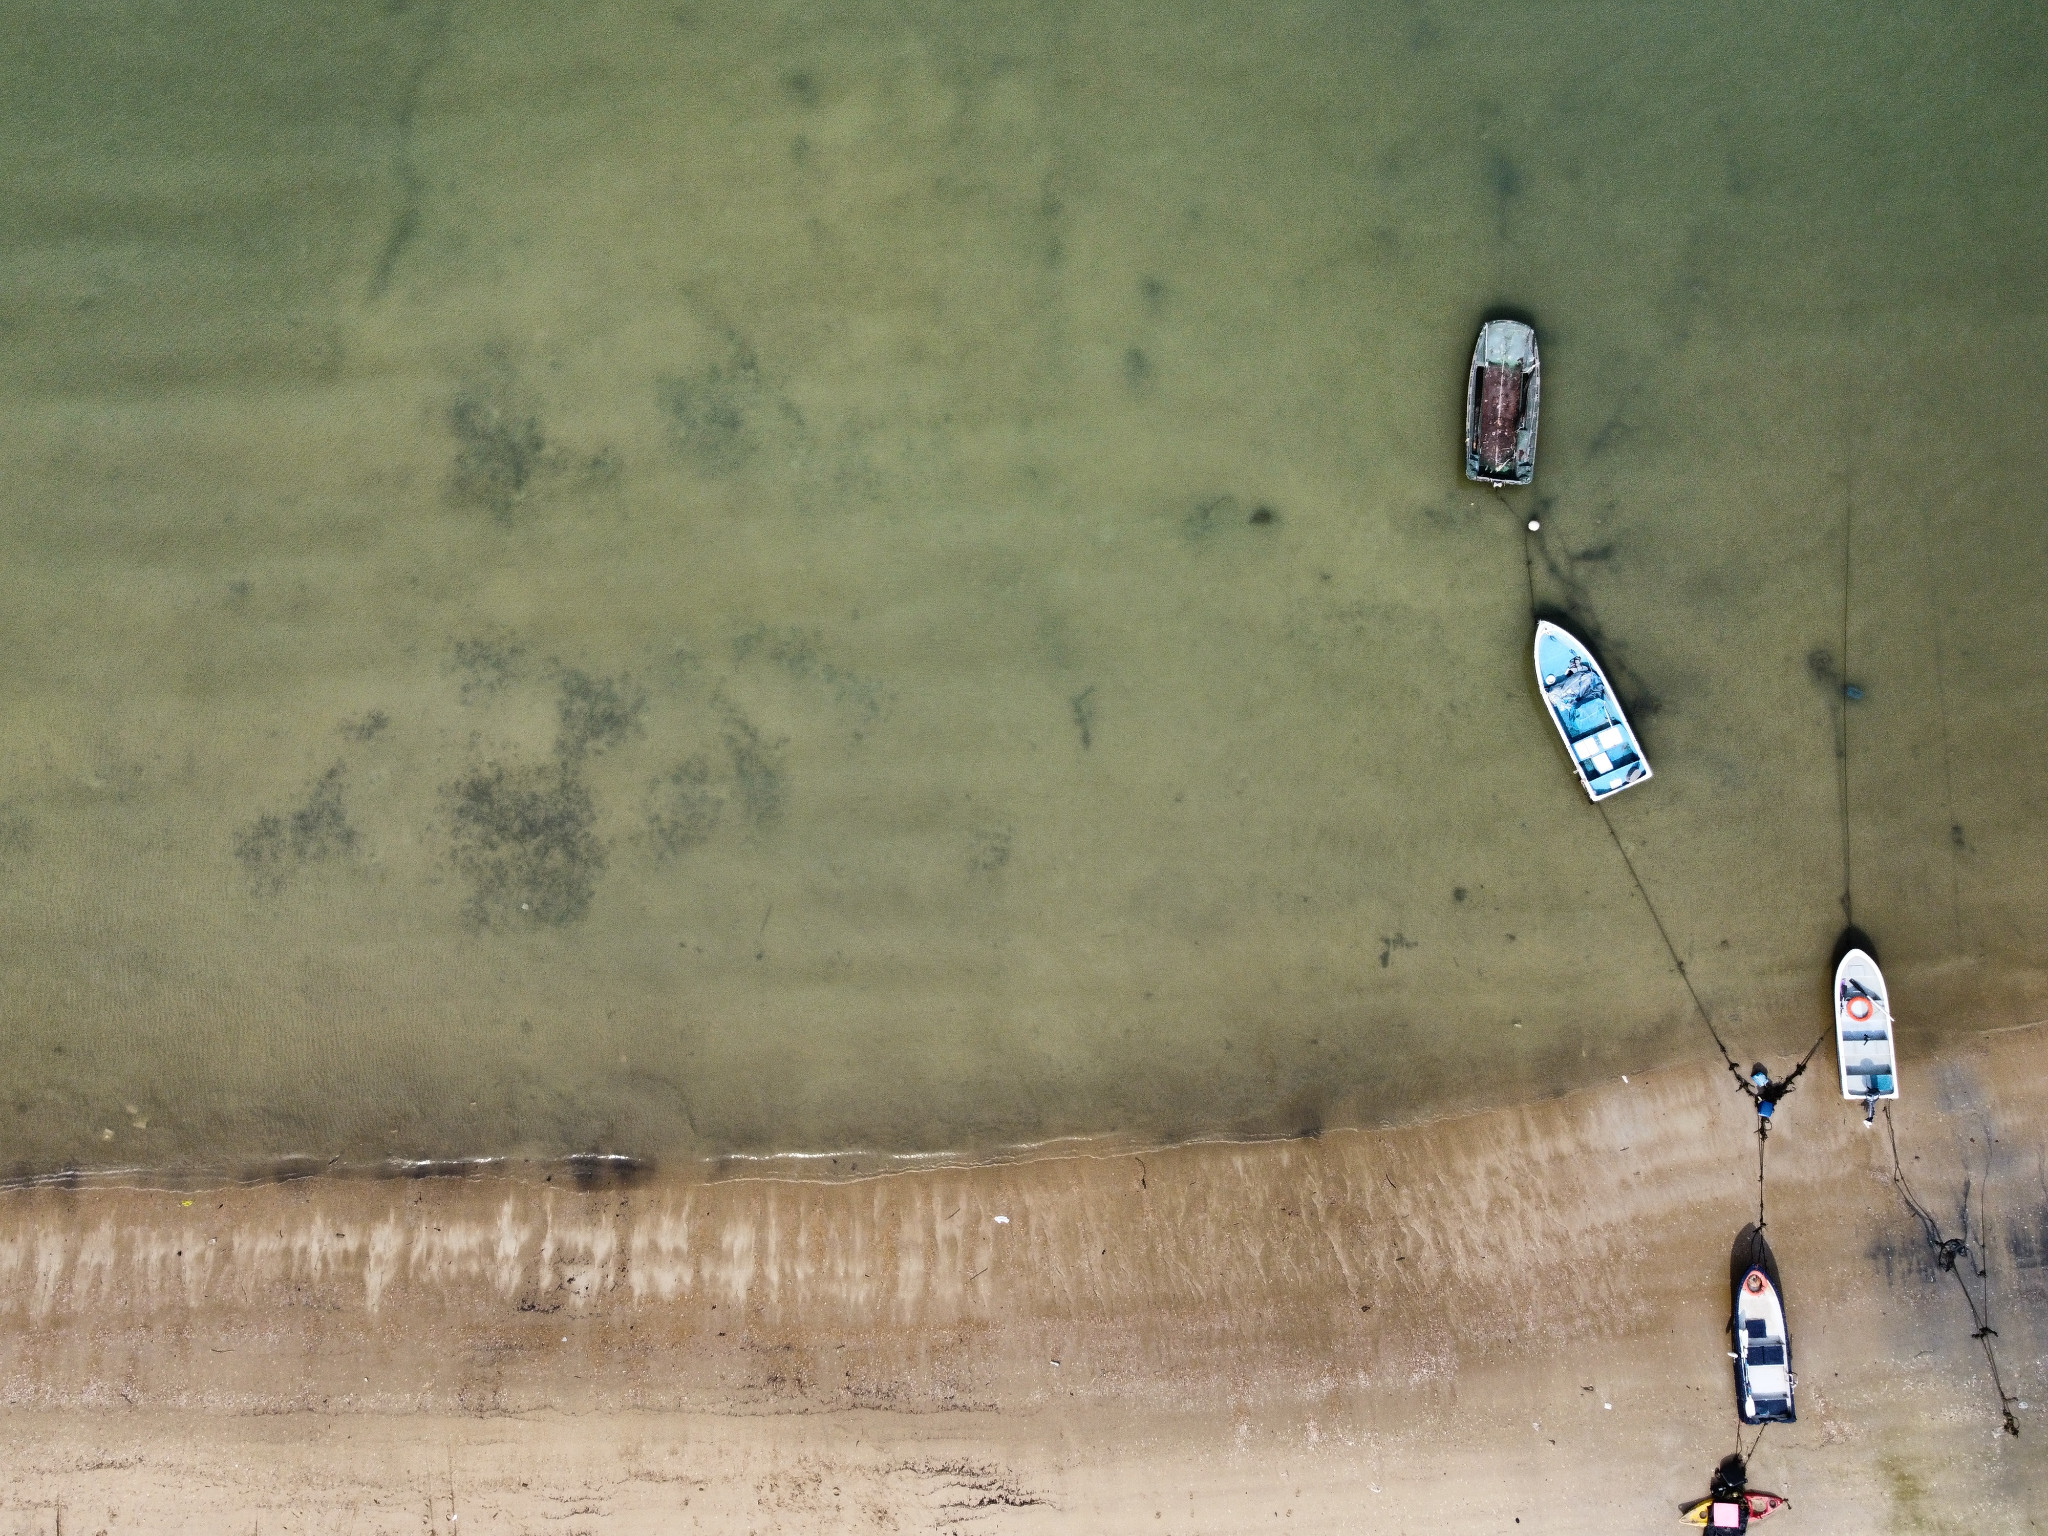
(1505, 312)
(1852, 938)
(1751, 1251)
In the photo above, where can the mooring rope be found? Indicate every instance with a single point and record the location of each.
(1669, 948)
(1842, 700)
(1759, 1440)
(1742, 1082)
(1762, 1141)
(1947, 1250)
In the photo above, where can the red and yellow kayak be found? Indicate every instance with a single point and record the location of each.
(1734, 1513)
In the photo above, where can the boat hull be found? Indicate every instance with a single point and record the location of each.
(1602, 745)
(1764, 1381)
(1503, 403)
(1866, 1049)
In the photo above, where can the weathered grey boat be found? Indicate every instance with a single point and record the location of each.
(1502, 396)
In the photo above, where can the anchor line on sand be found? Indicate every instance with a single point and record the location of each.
(1699, 1005)
(1947, 1250)
(1529, 570)
(1763, 1125)
(1762, 1141)
(1843, 697)
(1669, 948)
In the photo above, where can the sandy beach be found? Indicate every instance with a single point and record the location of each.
(1512, 1320)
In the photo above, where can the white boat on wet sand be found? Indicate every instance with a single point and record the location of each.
(1865, 1049)
(1603, 748)
(1502, 396)
(1763, 1348)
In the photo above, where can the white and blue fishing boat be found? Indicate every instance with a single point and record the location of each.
(1603, 748)
(1763, 1347)
(1864, 1048)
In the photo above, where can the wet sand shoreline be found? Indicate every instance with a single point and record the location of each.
(1427, 1323)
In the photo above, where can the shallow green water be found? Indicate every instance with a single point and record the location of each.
(688, 579)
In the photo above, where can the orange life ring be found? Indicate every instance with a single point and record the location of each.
(1754, 1284)
(1859, 1008)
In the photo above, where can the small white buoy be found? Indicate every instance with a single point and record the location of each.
(1002, 1221)
(1534, 526)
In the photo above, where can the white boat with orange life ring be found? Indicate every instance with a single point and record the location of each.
(1763, 1348)
(1865, 1048)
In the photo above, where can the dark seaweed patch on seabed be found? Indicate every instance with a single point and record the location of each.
(366, 727)
(488, 663)
(272, 848)
(597, 712)
(1504, 181)
(682, 808)
(989, 849)
(800, 653)
(498, 453)
(1208, 516)
(1575, 613)
(756, 768)
(525, 838)
(711, 411)
(802, 87)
